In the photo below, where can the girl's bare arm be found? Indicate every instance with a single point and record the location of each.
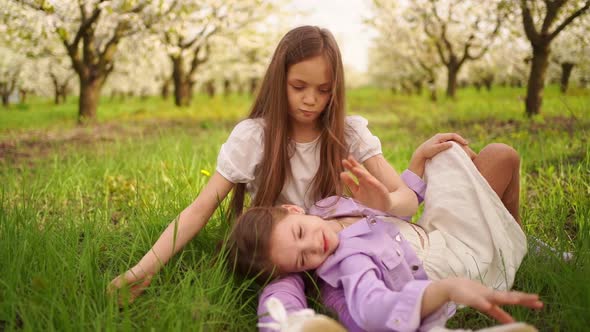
(179, 232)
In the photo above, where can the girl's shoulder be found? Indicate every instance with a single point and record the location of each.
(248, 131)
(249, 126)
(356, 121)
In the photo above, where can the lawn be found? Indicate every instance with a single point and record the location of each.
(80, 205)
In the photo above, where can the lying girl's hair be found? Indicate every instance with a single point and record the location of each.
(249, 243)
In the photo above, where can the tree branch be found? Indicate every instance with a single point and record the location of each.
(198, 61)
(552, 9)
(569, 20)
(528, 23)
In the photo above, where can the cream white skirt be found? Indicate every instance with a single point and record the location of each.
(465, 229)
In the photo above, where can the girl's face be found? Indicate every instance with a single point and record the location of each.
(301, 242)
(309, 87)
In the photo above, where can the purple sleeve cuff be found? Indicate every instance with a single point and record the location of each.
(415, 183)
(290, 290)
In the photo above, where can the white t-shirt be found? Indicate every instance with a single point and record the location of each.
(241, 154)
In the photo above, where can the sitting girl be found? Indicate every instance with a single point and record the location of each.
(395, 275)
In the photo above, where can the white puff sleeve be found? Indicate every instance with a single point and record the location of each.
(361, 142)
(242, 152)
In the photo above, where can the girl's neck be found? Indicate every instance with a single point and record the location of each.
(344, 222)
(305, 134)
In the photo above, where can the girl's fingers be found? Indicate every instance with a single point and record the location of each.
(355, 168)
(517, 298)
(443, 146)
(533, 304)
(349, 182)
(500, 315)
(360, 172)
(346, 164)
(452, 137)
(137, 289)
(513, 297)
(438, 148)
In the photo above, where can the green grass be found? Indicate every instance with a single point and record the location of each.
(78, 209)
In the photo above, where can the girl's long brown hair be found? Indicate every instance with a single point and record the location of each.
(249, 243)
(272, 105)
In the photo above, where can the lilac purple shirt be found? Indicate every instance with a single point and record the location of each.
(374, 281)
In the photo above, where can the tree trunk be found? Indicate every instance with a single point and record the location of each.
(181, 94)
(226, 87)
(432, 89)
(210, 87)
(57, 88)
(536, 82)
(63, 92)
(418, 87)
(452, 71)
(253, 85)
(5, 92)
(488, 80)
(165, 91)
(181, 83)
(566, 71)
(63, 97)
(88, 104)
(22, 93)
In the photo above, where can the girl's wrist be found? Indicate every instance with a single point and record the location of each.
(148, 265)
(417, 164)
(436, 295)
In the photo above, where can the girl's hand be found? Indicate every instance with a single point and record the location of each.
(434, 146)
(487, 300)
(369, 191)
(136, 281)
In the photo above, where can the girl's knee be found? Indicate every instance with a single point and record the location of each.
(503, 153)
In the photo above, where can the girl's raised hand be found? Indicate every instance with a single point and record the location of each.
(487, 300)
(369, 191)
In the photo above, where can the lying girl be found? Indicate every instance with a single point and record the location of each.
(395, 275)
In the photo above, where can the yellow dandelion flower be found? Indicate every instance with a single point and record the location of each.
(205, 172)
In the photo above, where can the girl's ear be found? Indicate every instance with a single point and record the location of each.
(293, 208)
